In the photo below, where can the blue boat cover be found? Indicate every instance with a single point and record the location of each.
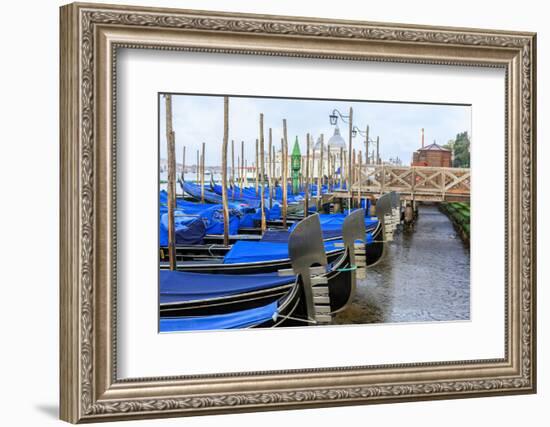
(190, 230)
(181, 286)
(238, 319)
(250, 219)
(211, 214)
(249, 251)
(283, 235)
(210, 196)
(336, 221)
(249, 195)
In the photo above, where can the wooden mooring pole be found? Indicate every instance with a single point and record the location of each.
(320, 173)
(243, 171)
(171, 151)
(367, 146)
(256, 169)
(202, 171)
(341, 167)
(233, 169)
(274, 179)
(197, 171)
(353, 171)
(350, 162)
(360, 177)
(183, 166)
(311, 178)
(284, 157)
(270, 168)
(329, 169)
(224, 170)
(262, 174)
(306, 195)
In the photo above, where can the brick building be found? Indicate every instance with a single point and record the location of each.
(432, 155)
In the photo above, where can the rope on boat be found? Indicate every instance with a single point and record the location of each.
(352, 267)
(297, 319)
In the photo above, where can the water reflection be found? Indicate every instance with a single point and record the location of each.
(425, 276)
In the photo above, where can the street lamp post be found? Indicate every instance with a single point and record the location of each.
(354, 130)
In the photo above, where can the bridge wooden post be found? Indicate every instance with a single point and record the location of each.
(413, 181)
(383, 179)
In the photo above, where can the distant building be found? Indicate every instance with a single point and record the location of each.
(335, 142)
(433, 155)
(337, 145)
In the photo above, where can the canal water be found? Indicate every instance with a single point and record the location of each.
(424, 277)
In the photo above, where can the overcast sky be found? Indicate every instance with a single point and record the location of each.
(198, 119)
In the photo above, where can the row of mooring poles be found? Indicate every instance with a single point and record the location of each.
(241, 178)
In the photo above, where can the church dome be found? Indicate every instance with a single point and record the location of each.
(336, 141)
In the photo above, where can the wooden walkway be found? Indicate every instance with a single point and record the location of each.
(418, 183)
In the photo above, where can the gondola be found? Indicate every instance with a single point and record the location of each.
(375, 251)
(237, 299)
(247, 257)
(296, 306)
(268, 254)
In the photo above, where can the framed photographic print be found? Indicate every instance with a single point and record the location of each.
(267, 212)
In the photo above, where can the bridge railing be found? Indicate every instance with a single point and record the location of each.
(422, 182)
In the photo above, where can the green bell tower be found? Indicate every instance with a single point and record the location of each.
(296, 164)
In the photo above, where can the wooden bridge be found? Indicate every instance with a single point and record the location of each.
(419, 183)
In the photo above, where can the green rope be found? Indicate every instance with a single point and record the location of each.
(352, 267)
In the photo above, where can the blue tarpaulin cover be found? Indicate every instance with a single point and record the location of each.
(210, 196)
(190, 230)
(250, 251)
(250, 219)
(336, 221)
(283, 235)
(248, 194)
(238, 319)
(211, 214)
(180, 286)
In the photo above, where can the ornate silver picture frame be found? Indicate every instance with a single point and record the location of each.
(91, 35)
